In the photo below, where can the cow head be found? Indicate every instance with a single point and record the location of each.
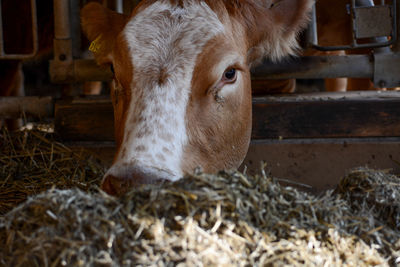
(181, 90)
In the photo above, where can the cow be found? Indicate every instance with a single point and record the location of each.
(181, 89)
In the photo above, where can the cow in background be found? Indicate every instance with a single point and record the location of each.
(181, 89)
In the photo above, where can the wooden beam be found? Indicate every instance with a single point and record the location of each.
(14, 107)
(326, 119)
(85, 119)
(366, 114)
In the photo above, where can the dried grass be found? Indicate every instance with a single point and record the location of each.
(32, 162)
(228, 219)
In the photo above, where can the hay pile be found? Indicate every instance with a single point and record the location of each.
(32, 162)
(228, 219)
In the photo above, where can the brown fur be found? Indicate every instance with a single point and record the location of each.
(218, 129)
(220, 137)
(100, 21)
(121, 97)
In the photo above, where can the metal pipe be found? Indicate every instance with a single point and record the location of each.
(119, 6)
(396, 46)
(317, 67)
(61, 68)
(14, 107)
(1, 31)
(312, 33)
(311, 67)
(62, 27)
(88, 70)
(353, 24)
(365, 3)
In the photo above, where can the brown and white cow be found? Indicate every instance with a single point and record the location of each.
(182, 93)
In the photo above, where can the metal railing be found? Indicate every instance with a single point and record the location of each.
(382, 67)
(35, 40)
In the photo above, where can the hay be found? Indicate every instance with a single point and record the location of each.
(32, 162)
(374, 196)
(228, 219)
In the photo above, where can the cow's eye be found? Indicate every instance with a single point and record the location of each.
(230, 75)
(112, 68)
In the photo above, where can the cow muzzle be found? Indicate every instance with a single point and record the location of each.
(119, 180)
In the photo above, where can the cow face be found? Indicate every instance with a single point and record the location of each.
(181, 90)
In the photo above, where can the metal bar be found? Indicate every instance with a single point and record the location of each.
(317, 67)
(312, 67)
(1, 31)
(34, 28)
(78, 70)
(62, 28)
(26, 106)
(396, 25)
(365, 3)
(353, 23)
(35, 38)
(61, 68)
(88, 70)
(396, 12)
(356, 66)
(75, 27)
(347, 47)
(62, 31)
(119, 6)
(312, 33)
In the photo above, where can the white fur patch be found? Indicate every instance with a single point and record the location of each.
(164, 42)
(231, 88)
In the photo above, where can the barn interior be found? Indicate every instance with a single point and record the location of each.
(319, 184)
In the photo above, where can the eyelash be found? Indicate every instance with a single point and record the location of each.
(112, 69)
(223, 81)
(230, 72)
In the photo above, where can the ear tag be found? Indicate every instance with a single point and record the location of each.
(95, 46)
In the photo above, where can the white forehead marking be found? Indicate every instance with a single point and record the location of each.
(164, 41)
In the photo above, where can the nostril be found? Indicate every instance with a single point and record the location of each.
(128, 178)
(115, 186)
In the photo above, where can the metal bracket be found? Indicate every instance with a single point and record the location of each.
(381, 24)
(64, 68)
(386, 70)
(378, 29)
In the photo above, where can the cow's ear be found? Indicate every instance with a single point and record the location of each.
(101, 27)
(273, 26)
